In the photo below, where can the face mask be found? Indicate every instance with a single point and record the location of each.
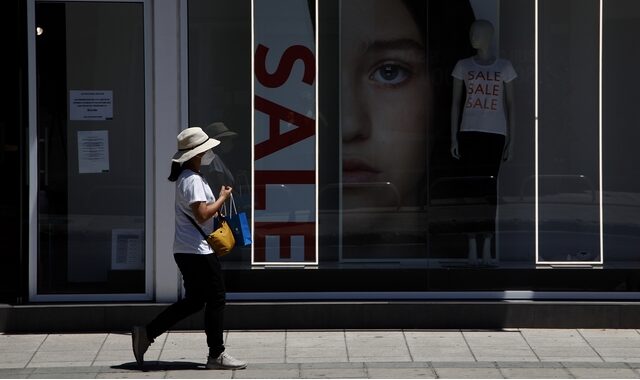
(207, 158)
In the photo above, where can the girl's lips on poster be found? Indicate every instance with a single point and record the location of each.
(357, 171)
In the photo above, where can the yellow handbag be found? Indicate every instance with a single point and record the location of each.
(221, 239)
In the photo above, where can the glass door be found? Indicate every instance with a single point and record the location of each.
(92, 134)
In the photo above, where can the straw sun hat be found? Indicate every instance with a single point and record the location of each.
(191, 142)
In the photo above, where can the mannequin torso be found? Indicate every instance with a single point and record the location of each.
(487, 81)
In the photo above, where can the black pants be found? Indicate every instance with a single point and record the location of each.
(204, 286)
(480, 158)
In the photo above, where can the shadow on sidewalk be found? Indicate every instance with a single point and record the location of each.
(160, 366)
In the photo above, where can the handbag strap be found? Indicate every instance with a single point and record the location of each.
(196, 225)
(232, 206)
(201, 231)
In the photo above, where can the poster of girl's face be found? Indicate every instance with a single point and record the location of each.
(386, 118)
(384, 104)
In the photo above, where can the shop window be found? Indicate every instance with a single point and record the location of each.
(91, 148)
(396, 199)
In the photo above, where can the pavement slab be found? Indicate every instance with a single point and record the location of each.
(73, 342)
(603, 373)
(21, 342)
(333, 373)
(326, 359)
(285, 373)
(258, 354)
(535, 373)
(401, 373)
(468, 373)
(513, 353)
(199, 374)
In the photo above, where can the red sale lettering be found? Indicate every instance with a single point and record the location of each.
(289, 57)
(480, 89)
(273, 177)
(276, 141)
(484, 89)
(471, 75)
(470, 87)
(493, 76)
(284, 231)
(483, 103)
(496, 89)
(284, 134)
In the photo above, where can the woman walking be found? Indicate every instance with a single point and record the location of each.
(198, 263)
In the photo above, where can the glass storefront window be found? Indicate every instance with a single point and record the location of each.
(568, 179)
(91, 134)
(284, 133)
(514, 205)
(220, 92)
(384, 130)
(621, 187)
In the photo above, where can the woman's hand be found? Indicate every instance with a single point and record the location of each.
(225, 192)
(205, 211)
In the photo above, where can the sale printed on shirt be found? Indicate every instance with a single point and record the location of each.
(285, 213)
(484, 89)
(484, 104)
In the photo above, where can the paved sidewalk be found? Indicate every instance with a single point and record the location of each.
(512, 353)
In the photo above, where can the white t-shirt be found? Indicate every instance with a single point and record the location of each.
(191, 188)
(484, 103)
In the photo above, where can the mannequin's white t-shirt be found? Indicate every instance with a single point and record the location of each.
(484, 104)
(191, 188)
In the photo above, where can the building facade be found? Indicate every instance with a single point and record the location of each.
(383, 150)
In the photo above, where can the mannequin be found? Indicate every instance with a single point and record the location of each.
(483, 139)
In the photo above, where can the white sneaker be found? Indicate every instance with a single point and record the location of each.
(225, 361)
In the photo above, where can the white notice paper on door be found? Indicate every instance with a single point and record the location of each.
(127, 251)
(90, 105)
(93, 151)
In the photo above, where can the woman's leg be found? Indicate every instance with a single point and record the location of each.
(213, 314)
(194, 272)
(214, 310)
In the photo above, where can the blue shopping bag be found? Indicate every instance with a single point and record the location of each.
(239, 225)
